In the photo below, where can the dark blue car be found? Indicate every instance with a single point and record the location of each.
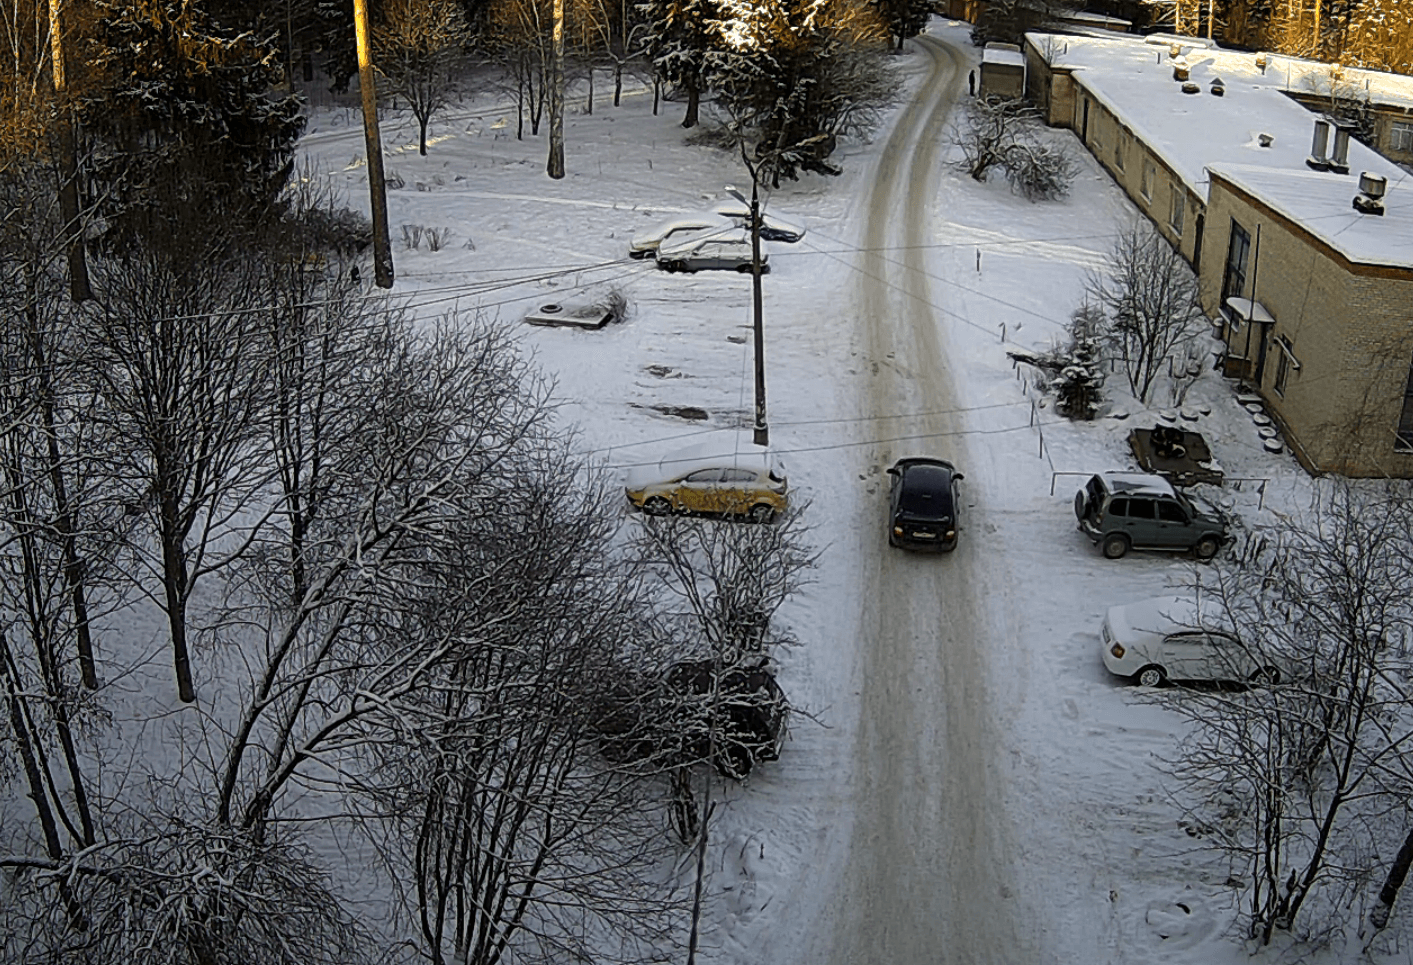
(922, 504)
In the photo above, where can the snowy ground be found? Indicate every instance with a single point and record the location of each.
(1110, 874)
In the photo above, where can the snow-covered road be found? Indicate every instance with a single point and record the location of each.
(930, 873)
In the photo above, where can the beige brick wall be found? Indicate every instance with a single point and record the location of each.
(1349, 326)
(1144, 176)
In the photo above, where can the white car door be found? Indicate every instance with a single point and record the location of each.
(1186, 656)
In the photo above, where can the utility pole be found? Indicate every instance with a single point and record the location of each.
(373, 147)
(760, 431)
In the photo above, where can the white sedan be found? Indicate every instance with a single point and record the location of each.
(726, 218)
(677, 230)
(707, 250)
(1176, 638)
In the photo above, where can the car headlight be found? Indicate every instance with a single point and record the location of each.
(951, 534)
(897, 531)
(1117, 650)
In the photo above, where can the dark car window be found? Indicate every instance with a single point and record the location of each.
(738, 475)
(926, 493)
(1171, 512)
(1119, 506)
(1141, 508)
(704, 476)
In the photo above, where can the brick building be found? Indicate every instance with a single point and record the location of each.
(1312, 293)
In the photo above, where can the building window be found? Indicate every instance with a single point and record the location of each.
(1149, 174)
(1401, 139)
(1284, 364)
(1178, 213)
(1404, 439)
(1234, 281)
(1120, 149)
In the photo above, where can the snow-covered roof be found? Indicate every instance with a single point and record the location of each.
(1322, 203)
(1192, 133)
(1002, 55)
(1098, 19)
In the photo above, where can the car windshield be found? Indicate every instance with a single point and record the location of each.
(926, 493)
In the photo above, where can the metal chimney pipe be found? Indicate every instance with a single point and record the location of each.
(1339, 161)
(1318, 159)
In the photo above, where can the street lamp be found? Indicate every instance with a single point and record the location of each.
(760, 431)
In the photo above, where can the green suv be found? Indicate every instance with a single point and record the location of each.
(1121, 511)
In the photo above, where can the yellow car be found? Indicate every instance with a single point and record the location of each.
(705, 479)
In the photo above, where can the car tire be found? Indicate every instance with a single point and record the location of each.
(657, 506)
(1206, 547)
(639, 255)
(1151, 676)
(1265, 677)
(1081, 503)
(744, 269)
(1115, 546)
(761, 513)
(765, 268)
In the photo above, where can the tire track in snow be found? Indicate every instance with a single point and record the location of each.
(930, 872)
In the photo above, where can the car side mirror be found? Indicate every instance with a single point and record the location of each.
(892, 470)
(957, 477)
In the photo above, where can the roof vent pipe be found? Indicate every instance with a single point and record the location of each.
(1369, 200)
(1318, 148)
(1266, 140)
(1373, 185)
(1339, 161)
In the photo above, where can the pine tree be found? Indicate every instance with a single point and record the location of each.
(905, 18)
(181, 108)
(680, 40)
(795, 75)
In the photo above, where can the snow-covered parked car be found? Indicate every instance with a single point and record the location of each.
(708, 250)
(1182, 638)
(646, 243)
(772, 226)
(727, 216)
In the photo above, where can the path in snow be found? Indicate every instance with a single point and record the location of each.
(930, 871)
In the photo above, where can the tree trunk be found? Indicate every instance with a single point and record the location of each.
(373, 148)
(79, 289)
(554, 167)
(174, 578)
(618, 84)
(693, 102)
(589, 105)
(1378, 916)
(422, 134)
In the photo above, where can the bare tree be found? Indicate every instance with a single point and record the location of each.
(1150, 297)
(418, 46)
(520, 837)
(1005, 133)
(518, 35)
(989, 131)
(48, 440)
(1301, 783)
(171, 893)
(178, 361)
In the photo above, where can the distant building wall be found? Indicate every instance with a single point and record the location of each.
(1002, 70)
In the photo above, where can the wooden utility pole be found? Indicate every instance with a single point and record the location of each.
(79, 289)
(555, 167)
(377, 187)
